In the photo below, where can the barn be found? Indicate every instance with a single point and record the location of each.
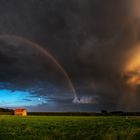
(20, 112)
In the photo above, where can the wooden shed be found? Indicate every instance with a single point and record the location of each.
(20, 112)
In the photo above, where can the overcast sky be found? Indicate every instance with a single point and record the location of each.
(96, 42)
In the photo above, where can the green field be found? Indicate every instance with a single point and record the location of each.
(69, 128)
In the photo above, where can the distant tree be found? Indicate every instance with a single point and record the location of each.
(5, 110)
(104, 111)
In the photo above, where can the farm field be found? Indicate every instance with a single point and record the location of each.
(69, 128)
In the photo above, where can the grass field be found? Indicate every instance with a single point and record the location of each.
(69, 128)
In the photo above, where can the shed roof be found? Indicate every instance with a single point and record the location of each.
(20, 109)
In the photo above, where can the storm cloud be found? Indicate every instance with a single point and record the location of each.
(92, 40)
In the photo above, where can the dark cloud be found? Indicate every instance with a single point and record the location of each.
(91, 39)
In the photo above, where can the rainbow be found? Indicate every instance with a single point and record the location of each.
(46, 53)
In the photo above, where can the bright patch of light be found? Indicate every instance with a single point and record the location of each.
(9, 98)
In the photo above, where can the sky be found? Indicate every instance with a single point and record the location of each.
(77, 55)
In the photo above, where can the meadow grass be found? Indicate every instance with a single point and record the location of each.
(69, 128)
